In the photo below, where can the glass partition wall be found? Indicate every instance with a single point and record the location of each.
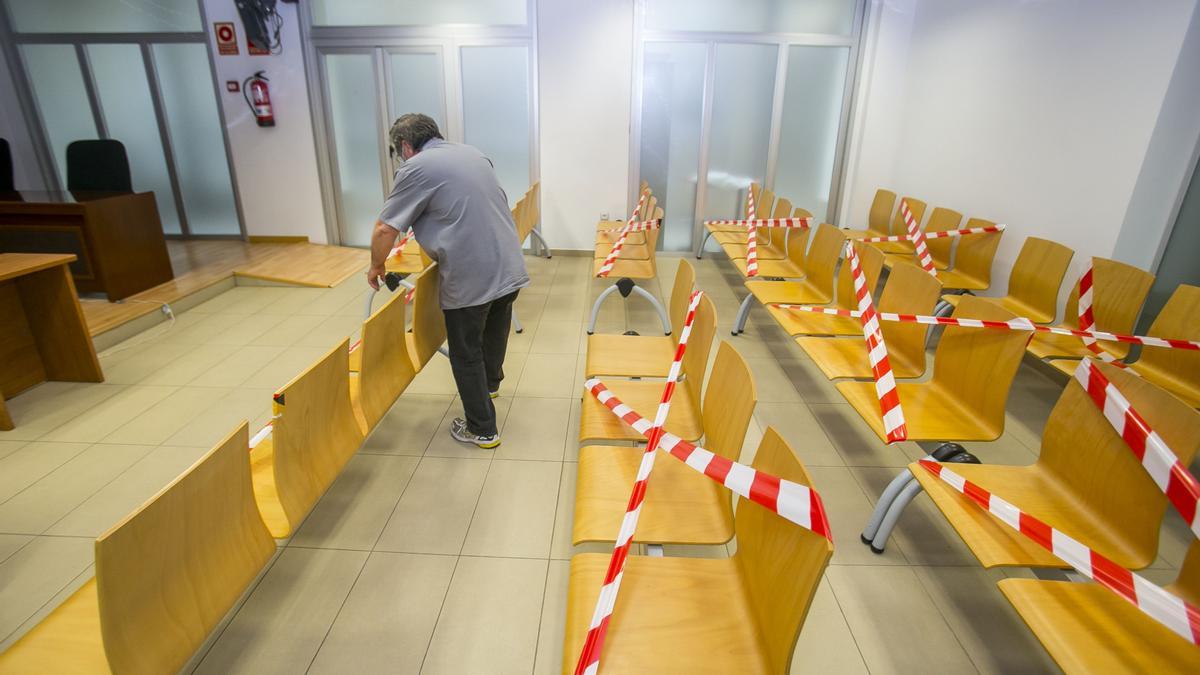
(726, 94)
(469, 65)
(138, 73)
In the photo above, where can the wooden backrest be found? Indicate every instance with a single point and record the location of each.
(880, 217)
(1083, 450)
(941, 220)
(523, 217)
(918, 212)
(315, 432)
(977, 251)
(1118, 293)
(783, 208)
(169, 572)
(796, 247)
(729, 402)
(1037, 274)
(429, 324)
(779, 562)
(1178, 319)
(387, 367)
(765, 202)
(754, 191)
(909, 290)
(695, 359)
(870, 259)
(977, 366)
(681, 293)
(1187, 584)
(822, 259)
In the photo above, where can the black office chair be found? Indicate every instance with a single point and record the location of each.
(98, 166)
(6, 167)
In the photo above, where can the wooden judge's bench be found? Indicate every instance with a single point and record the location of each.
(116, 238)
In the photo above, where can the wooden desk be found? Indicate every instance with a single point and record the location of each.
(42, 332)
(117, 237)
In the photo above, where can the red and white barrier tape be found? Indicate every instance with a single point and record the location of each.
(751, 236)
(790, 223)
(1012, 324)
(589, 658)
(936, 235)
(798, 503)
(1177, 615)
(262, 434)
(917, 237)
(636, 227)
(399, 248)
(611, 259)
(1164, 467)
(1087, 320)
(892, 414)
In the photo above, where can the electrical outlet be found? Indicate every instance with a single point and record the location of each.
(604, 215)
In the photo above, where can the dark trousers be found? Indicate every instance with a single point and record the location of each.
(477, 338)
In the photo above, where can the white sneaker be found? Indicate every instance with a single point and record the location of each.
(459, 431)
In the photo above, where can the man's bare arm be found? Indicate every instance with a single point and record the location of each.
(383, 238)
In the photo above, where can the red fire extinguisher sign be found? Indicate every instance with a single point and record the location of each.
(226, 38)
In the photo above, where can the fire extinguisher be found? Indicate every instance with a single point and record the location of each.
(258, 97)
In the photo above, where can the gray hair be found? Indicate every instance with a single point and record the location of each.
(415, 128)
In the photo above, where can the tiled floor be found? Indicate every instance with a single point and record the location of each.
(428, 556)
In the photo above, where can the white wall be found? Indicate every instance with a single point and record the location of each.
(585, 52)
(1033, 114)
(276, 166)
(26, 175)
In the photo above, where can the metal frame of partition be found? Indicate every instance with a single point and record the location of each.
(782, 42)
(380, 41)
(47, 163)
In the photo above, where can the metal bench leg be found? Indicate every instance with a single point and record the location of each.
(516, 322)
(662, 311)
(537, 236)
(743, 313)
(893, 514)
(444, 351)
(700, 249)
(893, 489)
(596, 308)
(370, 298)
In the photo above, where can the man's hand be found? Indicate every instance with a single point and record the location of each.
(374, 274)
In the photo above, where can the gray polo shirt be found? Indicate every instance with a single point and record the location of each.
(449, 195)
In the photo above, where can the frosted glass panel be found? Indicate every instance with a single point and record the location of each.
(672, 105)
(753, 16)
(741, 125)
(495, 82)
(417, 86)
(356, 137)
(104, 16)
(190, 106)
(61, 98)
(417, 12)
(816, 77)
(120, 77)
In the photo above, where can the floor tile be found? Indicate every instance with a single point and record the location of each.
(286, 332)
(109, 415)
(554, 611)
(9, 447)
(984, 622)
(215, 422)
(564, 516)
(434, 378)
(40, 505)
(285, 619)
(896, 625)
(548, 376)
(46, 407)
(11, 543)
(515, 515)
(798, 426)
(435, 510)
(355, 509)
(444, 445)
(826, 644)
(409, 426)
(848, 510)
(126, 492)
(489, 623)
(24, 467)
(331, 331)
(389, 616)
(34, 574)
(535, 429)
(854, 440)
(151, 358)
(571, 442)
(284, 368)
(237, 366)
(165, 418)
(557, 337)
(190, 365)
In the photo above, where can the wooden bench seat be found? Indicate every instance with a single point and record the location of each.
(1034, 282)
(166, 575)
(643, 355)
(735, 615)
